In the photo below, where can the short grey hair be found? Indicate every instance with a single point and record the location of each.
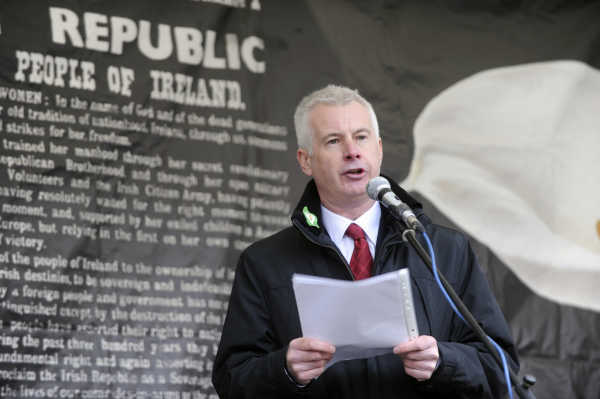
(330, 95)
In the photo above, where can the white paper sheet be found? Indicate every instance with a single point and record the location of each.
(361, 318)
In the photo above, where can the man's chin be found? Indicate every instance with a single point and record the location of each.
(356, 189)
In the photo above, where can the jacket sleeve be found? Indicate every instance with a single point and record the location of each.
(467, 368)
(250, 363)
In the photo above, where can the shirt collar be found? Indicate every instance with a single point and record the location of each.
(336, 225)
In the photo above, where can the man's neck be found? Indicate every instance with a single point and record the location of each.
(351, 211)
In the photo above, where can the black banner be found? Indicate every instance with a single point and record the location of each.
(137, 161)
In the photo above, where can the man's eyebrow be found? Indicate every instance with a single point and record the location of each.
(337, 134)
(332, 134)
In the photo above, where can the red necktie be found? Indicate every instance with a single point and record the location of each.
(361, 262)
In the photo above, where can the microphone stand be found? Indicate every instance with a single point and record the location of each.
(528, 380)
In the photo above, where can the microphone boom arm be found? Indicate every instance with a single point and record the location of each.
(522, 389)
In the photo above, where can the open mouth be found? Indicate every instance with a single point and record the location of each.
(355, 172)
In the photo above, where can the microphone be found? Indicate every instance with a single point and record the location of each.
(379, 189)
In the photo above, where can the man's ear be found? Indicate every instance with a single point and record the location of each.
(304, 161)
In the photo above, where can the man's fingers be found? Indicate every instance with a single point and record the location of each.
(427, 366)
(306, 358)
(420, 343)
(429, 354)
(295, 355)
(305, 366)
(309, 349)
(312, 344)
(419, 356)
(304, 377)
(423, 343)
(420, 375)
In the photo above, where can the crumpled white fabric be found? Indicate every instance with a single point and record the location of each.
(512, 156)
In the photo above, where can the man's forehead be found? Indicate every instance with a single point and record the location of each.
(332, 115)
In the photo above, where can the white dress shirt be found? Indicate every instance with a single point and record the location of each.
(337, 225)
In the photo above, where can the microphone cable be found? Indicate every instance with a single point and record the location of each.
(453, 306)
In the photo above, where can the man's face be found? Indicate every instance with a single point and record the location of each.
(346, 154)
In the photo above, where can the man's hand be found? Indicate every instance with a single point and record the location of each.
(420, 356)
(306, 358)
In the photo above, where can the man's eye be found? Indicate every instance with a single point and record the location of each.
(362, 137)
(333, 141)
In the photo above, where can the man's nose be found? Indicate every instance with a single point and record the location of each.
(351, 150)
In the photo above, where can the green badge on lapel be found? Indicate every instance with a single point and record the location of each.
(311, 218)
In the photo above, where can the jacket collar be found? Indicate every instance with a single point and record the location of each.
(307, 214)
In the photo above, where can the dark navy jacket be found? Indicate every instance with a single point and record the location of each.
(262, 317)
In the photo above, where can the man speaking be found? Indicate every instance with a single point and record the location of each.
(339, 232)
